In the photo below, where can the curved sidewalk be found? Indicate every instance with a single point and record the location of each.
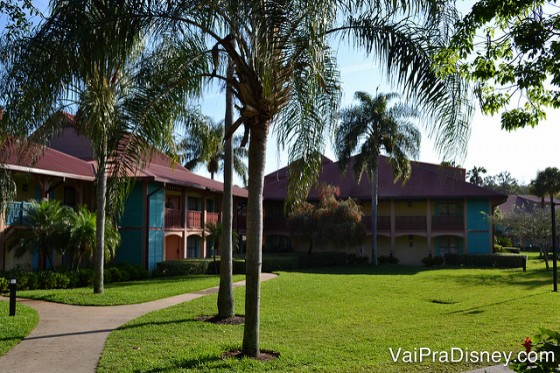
(71, 338)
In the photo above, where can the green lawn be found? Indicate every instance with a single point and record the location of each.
(14, 329)
(347, 319)
(127, 292)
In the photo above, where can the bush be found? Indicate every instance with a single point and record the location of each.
(487, 260)
(326, 259)
(545, 342)
(388, 259)
(53, 280)
(430, 261)
(183, 267)
(511, 250)
(498, 248)
(133, 272)
(280, 262)
(4, 285)
(85, 277)
(504, 241)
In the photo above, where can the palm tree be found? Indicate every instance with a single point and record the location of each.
(204, 145)
(89, 55)
(285, 73)
(48, 231)
(475, 175)
(548, 183)
(370, 129)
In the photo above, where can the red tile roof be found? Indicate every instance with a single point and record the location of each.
(426, 181)
(525, 202)
(47, 161)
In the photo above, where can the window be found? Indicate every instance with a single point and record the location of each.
(410, 240)
(194, 204)
(449, 245)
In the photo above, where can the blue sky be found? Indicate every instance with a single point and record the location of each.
(522, 152)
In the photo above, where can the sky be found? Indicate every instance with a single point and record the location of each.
(522, 152)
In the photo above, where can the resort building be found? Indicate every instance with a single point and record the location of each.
(434, 213)
(166, 215)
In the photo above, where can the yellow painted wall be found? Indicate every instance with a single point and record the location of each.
(416, 208)
(383, 208)
(411, 255)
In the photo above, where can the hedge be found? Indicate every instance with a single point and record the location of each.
(271, 262)
(487, 260)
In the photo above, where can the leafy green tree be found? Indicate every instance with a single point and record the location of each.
(338, 222)
(369, 129)
(204, 145)
(514, 66)
(285, 73)
(48, 231)
(302, 222)
(89, 54)
(475, 175)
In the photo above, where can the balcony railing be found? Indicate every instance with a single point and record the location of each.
(448, 223)
(173, 218)
(194, 219)
(275, 223)
(16, 213)
(383, 223)
(410, 223)
(212, 217)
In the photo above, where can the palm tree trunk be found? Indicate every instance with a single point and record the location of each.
(554, 246)
(226, 303)
(99, 255)
(374, 182)
(257, 160)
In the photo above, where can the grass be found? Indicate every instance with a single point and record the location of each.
(14, 329)
(127, 292)
(347, 319)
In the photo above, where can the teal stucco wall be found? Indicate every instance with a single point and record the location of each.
(479, 234)
(157, 208)
(130, 250)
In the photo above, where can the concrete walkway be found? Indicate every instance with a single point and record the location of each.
(71, 338)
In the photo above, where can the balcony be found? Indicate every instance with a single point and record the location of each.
(411, 223)
(194, 219)
(275, 223)
(448, 223)
(16, 213)
(383, 223)
(173, 218)
(212, 217)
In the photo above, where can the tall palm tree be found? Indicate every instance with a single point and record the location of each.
(548, 183)
(369, 129)
(90, 56)
(204, 145)
(285, 78)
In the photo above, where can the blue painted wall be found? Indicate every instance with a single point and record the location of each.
(478, 227)
(130, 250)
(157, 208)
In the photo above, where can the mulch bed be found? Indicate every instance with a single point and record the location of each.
(264, 355)
(234, 320)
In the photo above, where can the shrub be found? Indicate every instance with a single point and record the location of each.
(85, 277)
(4, 285)
(546, 340)
(181, 267)
(511, 250)
(498, 248)
(324, 259)
(387, 259)
(53, 280)
(133, 272)
(430, 261)
(504, 241)
(488, 260)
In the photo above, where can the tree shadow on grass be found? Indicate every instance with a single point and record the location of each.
(530, 280)
(205, 363)
(481, 308)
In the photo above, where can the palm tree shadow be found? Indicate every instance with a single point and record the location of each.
(206, 362)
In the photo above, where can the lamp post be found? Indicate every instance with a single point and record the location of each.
(554, 245)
